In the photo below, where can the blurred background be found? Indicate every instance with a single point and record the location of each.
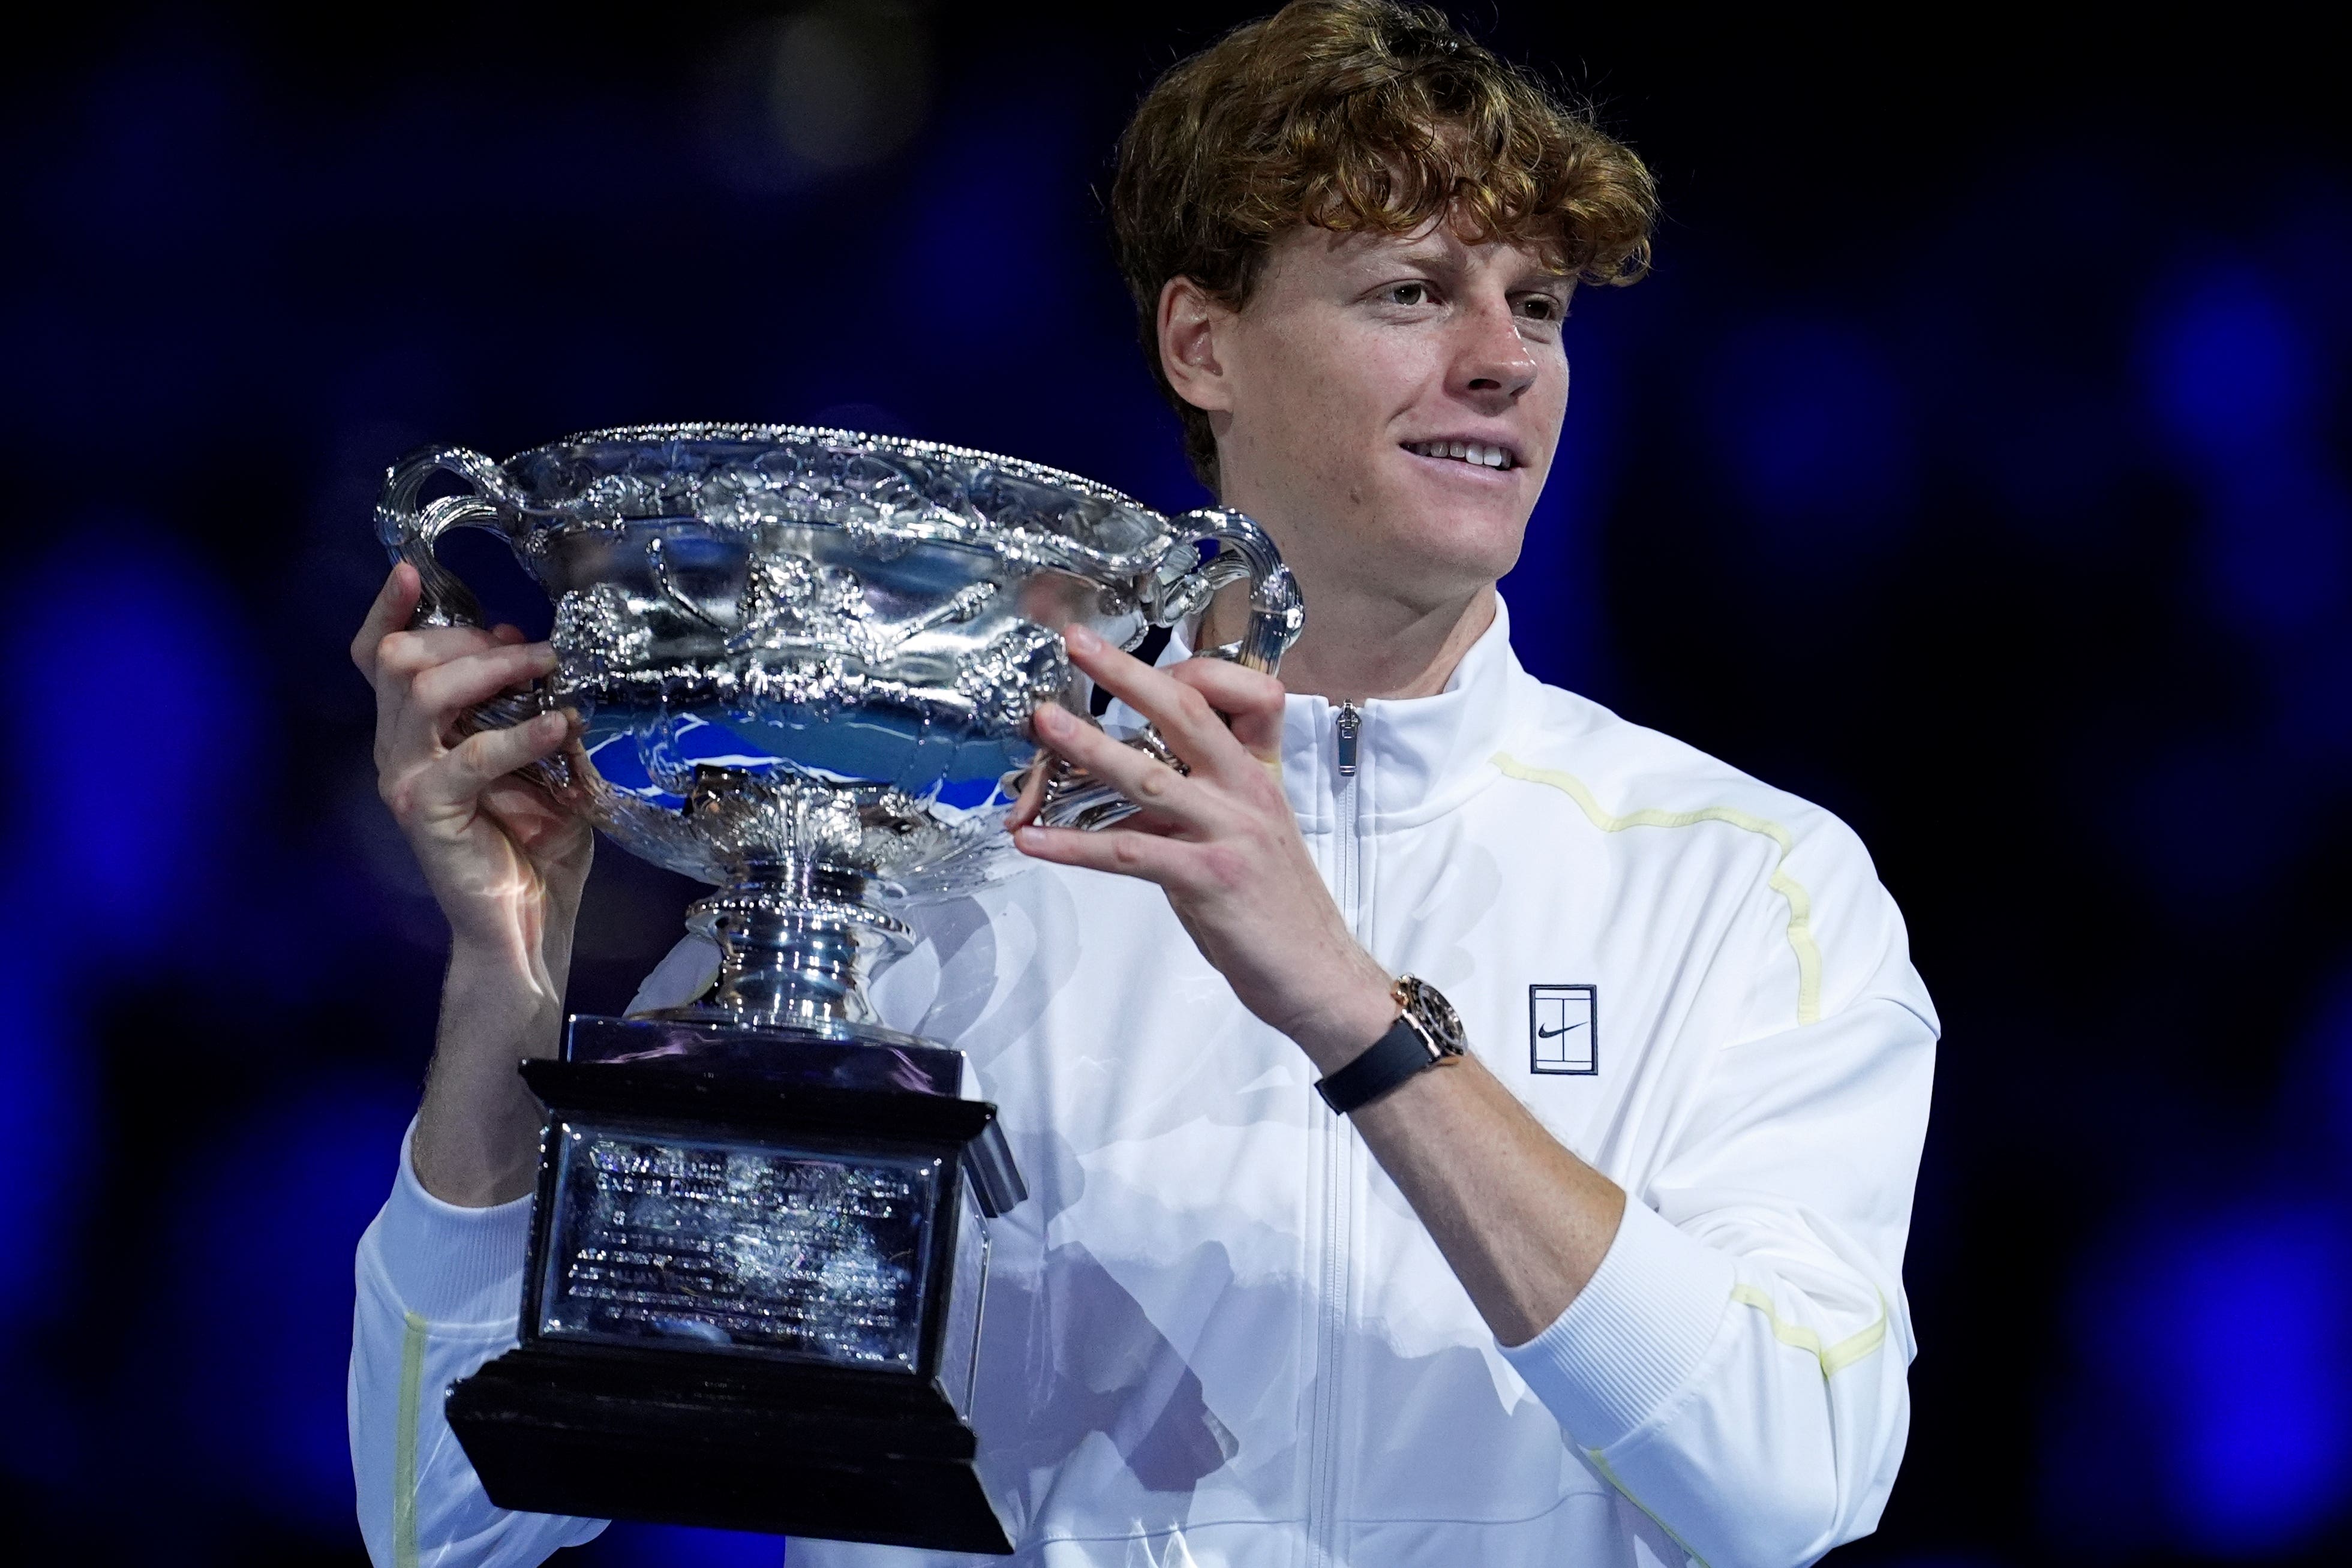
(1975, 463)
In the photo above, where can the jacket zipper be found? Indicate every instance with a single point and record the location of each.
(1324, 1505)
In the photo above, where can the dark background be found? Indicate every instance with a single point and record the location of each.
(1974, 463)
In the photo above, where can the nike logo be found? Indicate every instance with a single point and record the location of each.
(1553, 1033)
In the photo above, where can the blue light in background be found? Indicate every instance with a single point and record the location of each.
(1558, 621)
(1813, 432)
(986, 260)
(2223, 1355)
(2315, 697)
(674, 1546)
(48, 1113)
(2225, 369)
(2229, 378)
(130, 716)
(136, 724)
(2252, 1338)
(254, 1332)
(2278, 536)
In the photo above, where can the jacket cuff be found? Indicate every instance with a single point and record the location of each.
(1634, 1333)
(446, 1263)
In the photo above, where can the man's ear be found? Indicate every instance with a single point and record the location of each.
(1190, 324)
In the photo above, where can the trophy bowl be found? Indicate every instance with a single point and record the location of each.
(807, 659)
(805, 662)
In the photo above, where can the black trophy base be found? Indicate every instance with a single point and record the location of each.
(819, 1389)
(622, 1434)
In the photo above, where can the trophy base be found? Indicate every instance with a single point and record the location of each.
(643, 1436)
(753, 1297)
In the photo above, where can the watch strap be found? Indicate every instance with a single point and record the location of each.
(1392, 1058)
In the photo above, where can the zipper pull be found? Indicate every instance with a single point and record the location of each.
(1352, 719)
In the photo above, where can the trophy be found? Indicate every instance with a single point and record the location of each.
(805, 661)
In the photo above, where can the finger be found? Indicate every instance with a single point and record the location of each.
(1146, 781)
(1026, 804)
(1116, 850)
(488, 755)
(1192, 729)
(1251, 700)
(508, 632)
(401, 656)
(395, 602)
(439, 695)
(399, 660)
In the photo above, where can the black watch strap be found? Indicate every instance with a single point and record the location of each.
(1394, 1057)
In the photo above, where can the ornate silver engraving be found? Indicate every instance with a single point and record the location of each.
(1008, 680)
(600, 631)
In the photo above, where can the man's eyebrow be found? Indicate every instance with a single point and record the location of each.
(1429, 251)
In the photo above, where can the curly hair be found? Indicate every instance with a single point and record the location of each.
(1358, 116)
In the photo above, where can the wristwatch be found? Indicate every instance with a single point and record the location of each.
(1427, 1031)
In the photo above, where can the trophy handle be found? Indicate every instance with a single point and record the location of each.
(409, 533)
(1222, 547)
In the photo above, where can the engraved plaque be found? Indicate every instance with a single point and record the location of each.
(770, 1248)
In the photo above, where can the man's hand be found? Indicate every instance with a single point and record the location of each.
(1221, 842)
(498, 854)
(506, 864)
(1523, 1221)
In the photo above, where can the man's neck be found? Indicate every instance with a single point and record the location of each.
(1359, 646)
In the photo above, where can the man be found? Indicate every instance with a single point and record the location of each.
(1620, 1283)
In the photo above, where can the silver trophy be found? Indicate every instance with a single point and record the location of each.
(806, 662)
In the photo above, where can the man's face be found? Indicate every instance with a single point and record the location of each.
(1359, 370)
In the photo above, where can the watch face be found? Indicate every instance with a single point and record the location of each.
(1440, 1024)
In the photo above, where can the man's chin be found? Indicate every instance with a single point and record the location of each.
(1440, 558)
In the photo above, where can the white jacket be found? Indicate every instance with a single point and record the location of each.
(1217, 1334)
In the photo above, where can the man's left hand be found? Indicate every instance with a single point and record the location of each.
(1220, 841)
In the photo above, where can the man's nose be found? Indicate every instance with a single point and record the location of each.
(1492, 363)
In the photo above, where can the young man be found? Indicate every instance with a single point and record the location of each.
(1620, 1283)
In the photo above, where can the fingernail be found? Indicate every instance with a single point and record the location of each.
(1081, 639)
(1049, 716)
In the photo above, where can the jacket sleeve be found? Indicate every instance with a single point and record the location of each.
(440, 1288)
(1737, 1366)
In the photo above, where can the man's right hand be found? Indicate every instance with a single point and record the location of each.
(507, 863)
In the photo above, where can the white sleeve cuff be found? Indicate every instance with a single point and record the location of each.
(685, 973)
(1634, 1333)
(446, 1263)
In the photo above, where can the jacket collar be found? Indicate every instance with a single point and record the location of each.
(1415, 759)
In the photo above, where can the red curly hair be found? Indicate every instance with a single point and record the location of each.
(1358, 116)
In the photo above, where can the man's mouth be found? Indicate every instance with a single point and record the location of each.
(1476, 453)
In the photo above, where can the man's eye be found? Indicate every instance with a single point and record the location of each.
(1542, 306)
(1409, 294)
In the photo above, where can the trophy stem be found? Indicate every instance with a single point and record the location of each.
(791, 940)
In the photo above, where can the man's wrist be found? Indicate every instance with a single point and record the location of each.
(1351, 1021)
(498, 973)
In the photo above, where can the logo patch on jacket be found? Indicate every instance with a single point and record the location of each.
(1563, 1029)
